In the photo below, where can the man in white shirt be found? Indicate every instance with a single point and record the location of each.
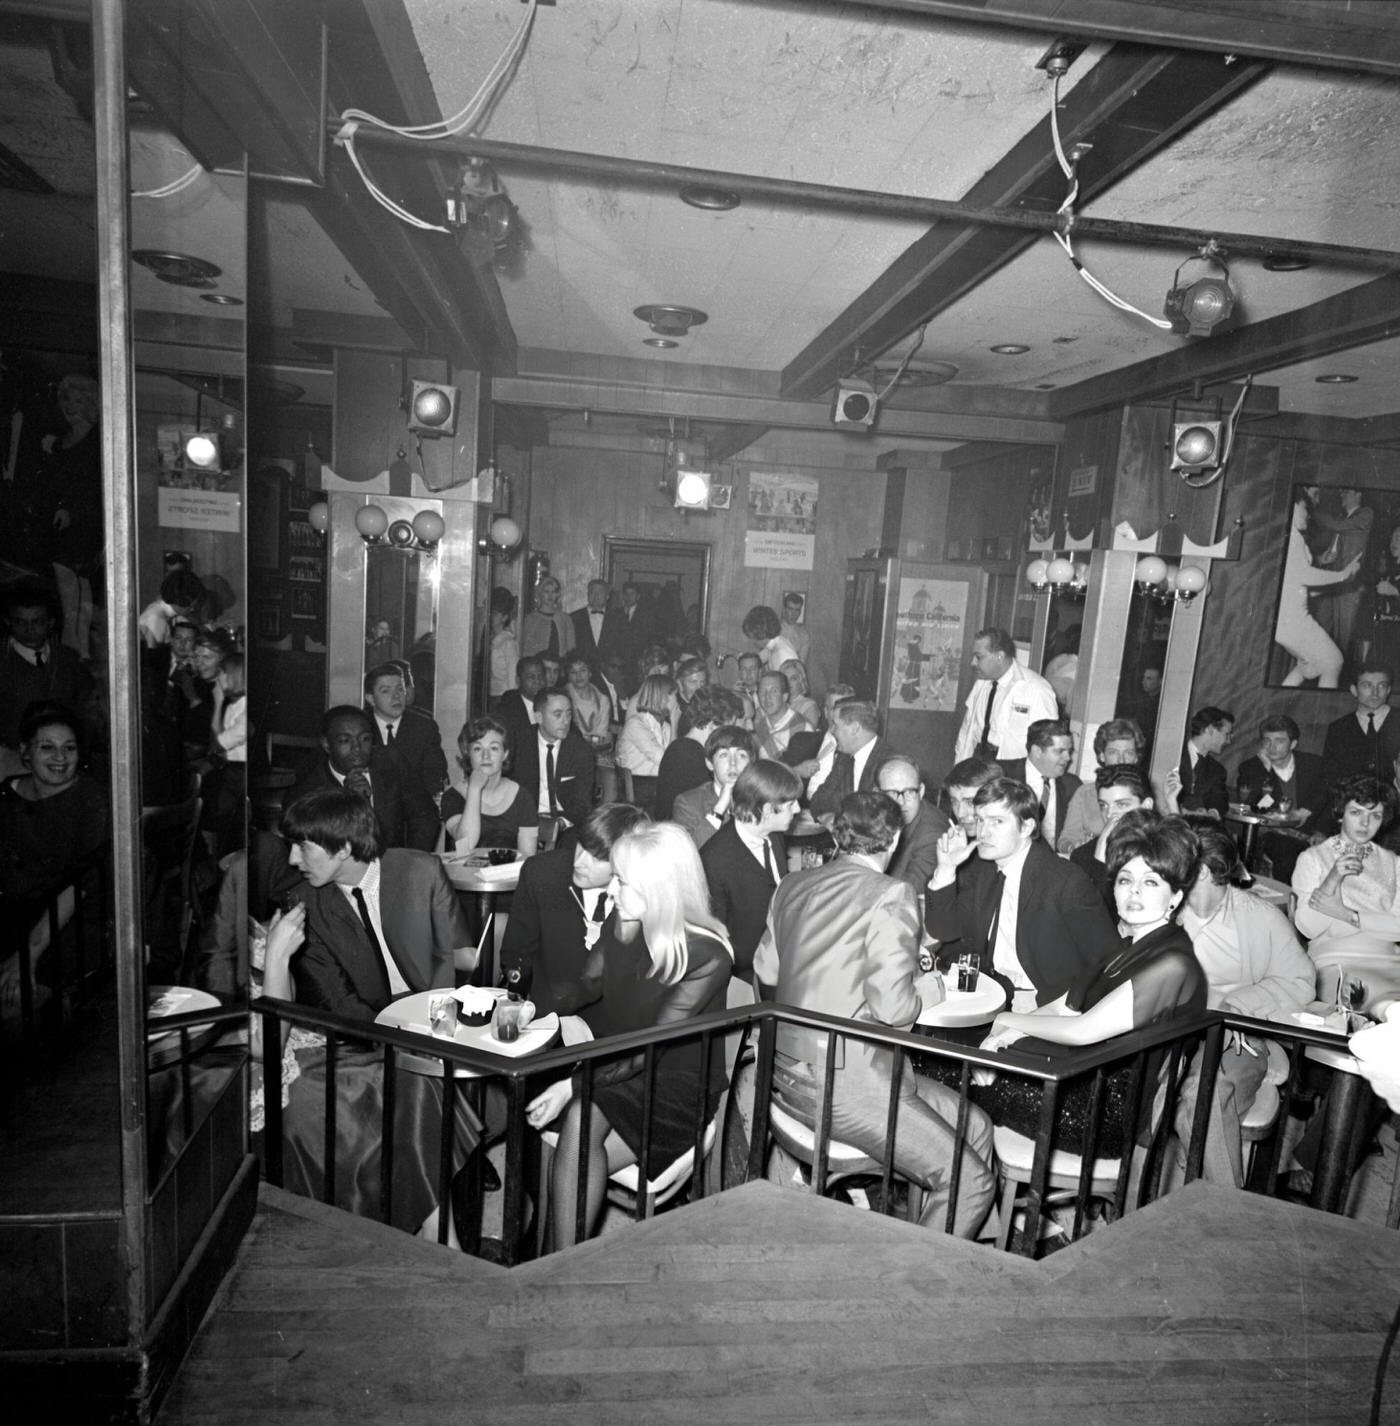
(1004, 702)
(1045, 770)
(776, 721)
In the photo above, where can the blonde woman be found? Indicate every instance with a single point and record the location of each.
(661, 957)
(648, 728)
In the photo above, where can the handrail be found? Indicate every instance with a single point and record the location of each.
(1132, 1050)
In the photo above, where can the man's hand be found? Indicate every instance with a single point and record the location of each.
(953, 849)
(929, 988)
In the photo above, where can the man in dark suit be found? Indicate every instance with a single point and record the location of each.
(703, 810)
(34, 666)
(1037, 921)
(380, 922)
(558, 910)
(843, 940)
(407, 817)
(516, 706)
(1368, 738)
(410, 739)
(637, 629)
(1203, 784)
(598, 632)
(855, 728)
(569, 797)
(747, 858)
(1280, 773)
(916, 854)
(1045, 770)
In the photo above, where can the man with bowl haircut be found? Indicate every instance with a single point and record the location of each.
(1036, 920)
(381, 922)
(558, 910)
(703, 810)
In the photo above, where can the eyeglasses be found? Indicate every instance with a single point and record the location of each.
(900, 791)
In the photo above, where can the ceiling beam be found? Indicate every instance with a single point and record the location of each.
(1357, 35)
(1130, 106)
(1330, 430)
(764, 411)
(1367, 313)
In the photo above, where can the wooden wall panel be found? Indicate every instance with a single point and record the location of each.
(578, 496)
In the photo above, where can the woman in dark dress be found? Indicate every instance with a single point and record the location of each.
(1155, 977)
(662, 957)
(487, 808)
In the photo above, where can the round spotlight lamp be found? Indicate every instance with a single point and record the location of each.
(1038, 573)
(1196, 309)
(431, 406)
(1197, 444)
(1060, 573)
(693, 490)
(319, 517)
(202, 451)
(371, 522)
(429, 527)
(1190, 581)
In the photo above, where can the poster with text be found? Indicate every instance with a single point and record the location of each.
(782, 521)
(928, 640)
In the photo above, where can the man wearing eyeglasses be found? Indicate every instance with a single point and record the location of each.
(916, 853)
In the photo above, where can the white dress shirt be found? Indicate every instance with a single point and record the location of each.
(369, 885)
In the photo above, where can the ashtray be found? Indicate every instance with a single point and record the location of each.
(475, 1006)
(499, 856)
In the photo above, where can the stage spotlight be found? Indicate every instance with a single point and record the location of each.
(693, 490)
(432, 409)
(1198, 308)
(204, 450)
(856, 404)
(1196, 445)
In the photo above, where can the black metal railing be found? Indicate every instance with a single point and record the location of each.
(1153, 1059)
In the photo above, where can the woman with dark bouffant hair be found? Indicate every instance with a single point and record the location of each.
(1155, 977)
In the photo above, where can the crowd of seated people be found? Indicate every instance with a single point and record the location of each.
(1099, 908)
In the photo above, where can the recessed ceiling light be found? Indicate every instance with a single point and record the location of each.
(179, 268)
(932, 373)
(1063, 341)
(1285, 262)
(713, 200)
(667, 319)
(662, 342)
(221, 299)
(1335, 378)
(1009, 349)
(1044, 386)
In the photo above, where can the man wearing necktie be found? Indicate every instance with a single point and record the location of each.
(407, 816)
(855, 728)
(558, 910)
(554, 764)
(409, 736)
(1045, 770)
(1203, 782)
(34, 667)
(380, 921)
(1368, 738)
(746, 858)
(1004, 702)
(1037, 920)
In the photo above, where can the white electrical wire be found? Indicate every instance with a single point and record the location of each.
(169, 190)
(465, 120)
(904, 365)
(1066, 210)
(1229, 440)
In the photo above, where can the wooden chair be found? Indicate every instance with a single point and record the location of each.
(1016, 1154)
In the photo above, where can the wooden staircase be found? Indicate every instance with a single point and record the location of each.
(768, 1305)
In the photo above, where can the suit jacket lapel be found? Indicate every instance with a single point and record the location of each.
(345, 922)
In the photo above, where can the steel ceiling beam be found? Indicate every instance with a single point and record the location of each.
(1359, 35)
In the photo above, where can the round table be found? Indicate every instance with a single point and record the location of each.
(475, 874)
(962, 1009)
(410, 1012)
(1251, 822)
